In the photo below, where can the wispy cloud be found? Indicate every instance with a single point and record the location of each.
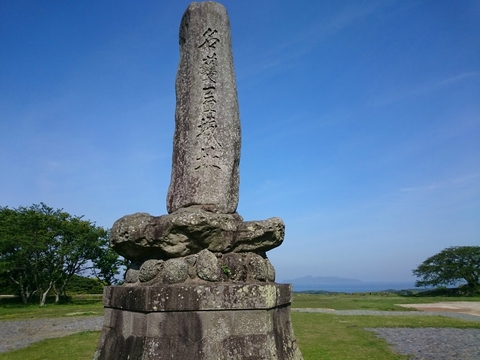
(453, 182)
(420, 89)
(306, 39)
(457, 78)
(429, 87)
(348, 16)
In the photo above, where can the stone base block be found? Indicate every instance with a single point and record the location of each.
(198, 322)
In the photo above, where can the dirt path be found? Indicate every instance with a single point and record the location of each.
(463, 307)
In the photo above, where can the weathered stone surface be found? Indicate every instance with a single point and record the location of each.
(192, 297)
(141, 236)
(237, 264)
(132, 274)
(207, 266)
(149, 270)
(191, 260)
(206, 150)
(258, 267)
(203, 267)
(175, 271)
(270, 271)
(211, 322)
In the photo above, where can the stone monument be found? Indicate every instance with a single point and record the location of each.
(200, 285)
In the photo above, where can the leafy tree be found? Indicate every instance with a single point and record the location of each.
(84, 285)
(41, 249)
(107, 263)
(23, 235)
(450, 266)
(76, 245)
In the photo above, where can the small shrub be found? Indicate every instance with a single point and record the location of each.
(226, 270)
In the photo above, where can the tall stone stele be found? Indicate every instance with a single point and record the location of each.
(206, 147)
(200, 285)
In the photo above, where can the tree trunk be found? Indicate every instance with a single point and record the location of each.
(57, 294)
(60, 292)
(43, 298)
(30, 294)
(23, 294)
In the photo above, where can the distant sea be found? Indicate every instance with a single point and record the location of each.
(356, 287)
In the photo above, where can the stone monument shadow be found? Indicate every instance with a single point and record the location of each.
(200, 285)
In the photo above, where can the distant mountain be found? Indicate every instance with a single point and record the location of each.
(313, 280)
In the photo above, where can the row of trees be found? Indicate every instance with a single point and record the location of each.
(41, 249)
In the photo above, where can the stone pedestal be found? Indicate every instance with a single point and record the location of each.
(198, 321)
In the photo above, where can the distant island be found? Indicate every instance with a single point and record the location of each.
(319, 280)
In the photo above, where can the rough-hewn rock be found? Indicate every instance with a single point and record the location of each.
(149, 270)
(258, 267)
(141, 236)
(207, 266)
(206, 148)
(131, 276)
(175, 271)
(237, 264)
(270, 270)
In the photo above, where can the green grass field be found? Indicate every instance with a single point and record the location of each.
(319, 336)
(10, 309)
(79, 346)
(375, 301)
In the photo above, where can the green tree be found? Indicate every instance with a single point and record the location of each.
(451, 265)
(23, 254)
(107, 265)
(41, 249)
(84, 285)
(77, 245)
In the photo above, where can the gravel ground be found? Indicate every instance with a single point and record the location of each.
(391, 313)
(15, 334)
(423, 343)
(433, 343)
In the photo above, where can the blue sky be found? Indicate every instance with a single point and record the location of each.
(360, 121)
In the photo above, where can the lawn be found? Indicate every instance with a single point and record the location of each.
(91, 305)
(79, 346)
(373, 301)
(320, 336)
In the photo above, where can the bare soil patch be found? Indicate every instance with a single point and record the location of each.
(463, 307)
